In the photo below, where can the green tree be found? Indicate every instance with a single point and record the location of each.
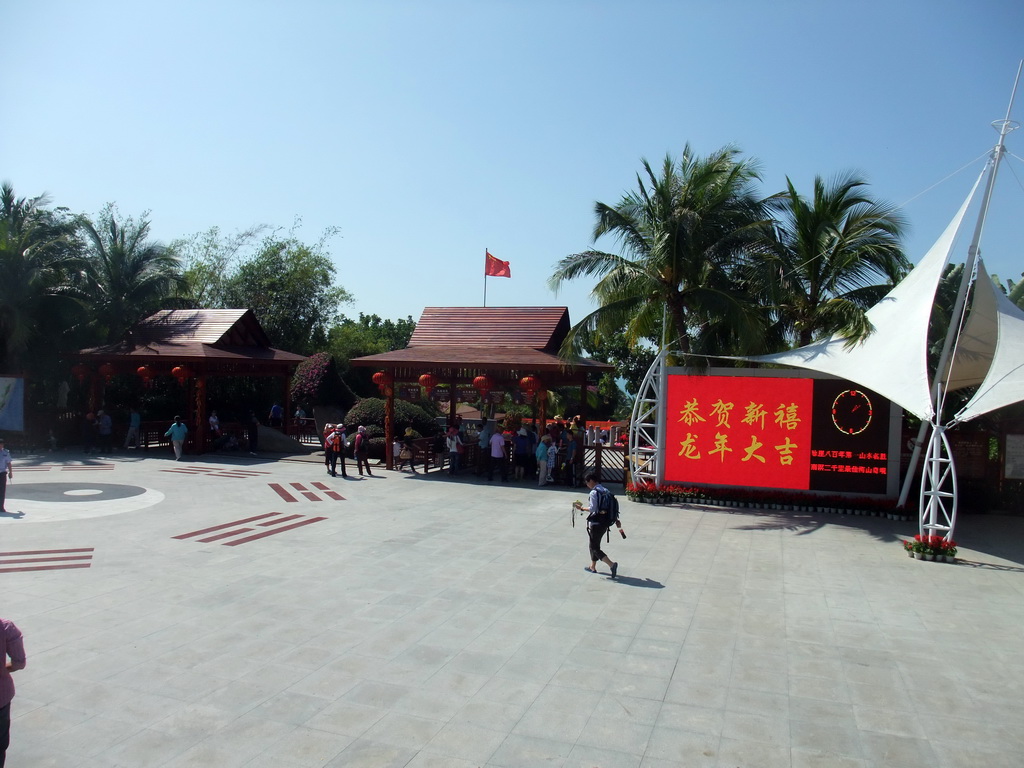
(290, 287)
(127, 277)
(209, 259)
(631, 361)
(369, 335)
(832, 257)
(39, 254)
(682, 234)
(1014, 290)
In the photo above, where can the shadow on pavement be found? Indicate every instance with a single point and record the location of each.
(629, 581)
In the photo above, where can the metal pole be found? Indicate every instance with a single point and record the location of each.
(931, 475)
(1005, 126)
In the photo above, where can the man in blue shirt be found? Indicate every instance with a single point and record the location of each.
(597, 523)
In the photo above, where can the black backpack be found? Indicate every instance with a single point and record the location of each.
(609, 506)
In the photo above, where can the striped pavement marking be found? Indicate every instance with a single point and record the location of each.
(287, 495)
(64, 467)
(45, 559)
(216, 471)
(274, 522)
(328, 492)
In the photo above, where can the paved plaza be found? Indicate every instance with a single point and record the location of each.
(255, 612)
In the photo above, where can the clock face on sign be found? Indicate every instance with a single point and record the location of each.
(851, 412)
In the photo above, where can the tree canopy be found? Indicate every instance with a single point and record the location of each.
(126, 277)
(287, 283)
(39, 258)
(682, 233)
(830, 259)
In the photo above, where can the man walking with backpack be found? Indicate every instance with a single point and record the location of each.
(602, 514)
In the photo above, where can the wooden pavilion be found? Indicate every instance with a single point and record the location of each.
(472, 353)
(192, 345)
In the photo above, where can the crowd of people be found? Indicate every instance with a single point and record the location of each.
(555, 456)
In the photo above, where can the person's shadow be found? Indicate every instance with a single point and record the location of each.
(16, 515)
(645, 583)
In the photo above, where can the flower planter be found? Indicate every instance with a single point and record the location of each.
(919, 556)
(928, 556)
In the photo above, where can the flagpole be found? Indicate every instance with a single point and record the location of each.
(485, 277)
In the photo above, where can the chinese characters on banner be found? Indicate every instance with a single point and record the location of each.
(776, 433)
(737, 430)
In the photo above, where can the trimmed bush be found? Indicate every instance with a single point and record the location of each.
(369, 412)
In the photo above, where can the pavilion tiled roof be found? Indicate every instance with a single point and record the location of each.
(517, 340)
(523, 327)
(196, 334)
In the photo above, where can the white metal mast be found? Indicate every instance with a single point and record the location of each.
(938, 498)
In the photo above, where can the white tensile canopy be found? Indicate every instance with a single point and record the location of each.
(1003, 341)
(893, 359)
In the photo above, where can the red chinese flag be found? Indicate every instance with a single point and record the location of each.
(496, 267)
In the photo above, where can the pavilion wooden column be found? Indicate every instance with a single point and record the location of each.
(287, 403)
(94, 399)
(452, 403)
(583, 407)
(200, 413)
(389, 424)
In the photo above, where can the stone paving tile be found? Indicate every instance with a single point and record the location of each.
(681, 747)
(402, 631)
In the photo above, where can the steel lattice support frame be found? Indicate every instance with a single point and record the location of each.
(647, 425)
(938, 499)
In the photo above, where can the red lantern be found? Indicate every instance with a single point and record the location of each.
(483, 385)
(145, 373)
(106, 371)
(180, 372)
(428, 381)
(79, 371)
(529, 385)
(383, 380)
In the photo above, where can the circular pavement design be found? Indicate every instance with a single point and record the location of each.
(49, 502)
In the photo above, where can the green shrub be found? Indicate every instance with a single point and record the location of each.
(369, 412)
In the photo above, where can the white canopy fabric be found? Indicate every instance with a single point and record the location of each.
(892, 360)
(976, 345)
(1004, 382)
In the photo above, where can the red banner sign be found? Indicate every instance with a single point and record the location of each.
(739, 430)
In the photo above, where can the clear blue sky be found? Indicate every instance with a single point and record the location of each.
(427, 131)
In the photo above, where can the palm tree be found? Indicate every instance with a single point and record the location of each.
(126, 276)
(831, 258)
(38, 255)
(682, 235)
